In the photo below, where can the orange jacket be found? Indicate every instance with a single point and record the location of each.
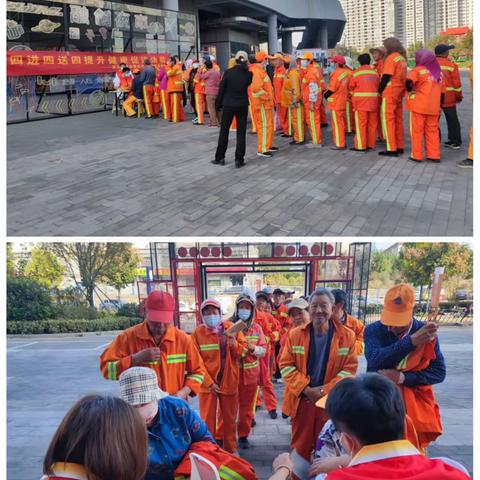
(291, 90)
(323, 83)
(379, 66)
(358, 329)
(249, 363)
(311, 86)
(281, 315)
(175, 78)
(453, 82)
(396, 66)
(270, 326)
(261, 88)
(198, 85)
(342, 362)
(363, 86)
(426, 94)
(339, 81)
(180, 363)
(208, 344)
(278, 80)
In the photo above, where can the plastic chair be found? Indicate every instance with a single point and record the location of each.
(202, 469)
(141, 108)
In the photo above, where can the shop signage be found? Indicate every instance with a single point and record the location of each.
(23, 7)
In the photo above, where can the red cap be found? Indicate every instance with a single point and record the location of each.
(160, 307)
(340, 59)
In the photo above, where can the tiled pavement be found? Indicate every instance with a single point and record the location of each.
(66, 367)
(101, 175)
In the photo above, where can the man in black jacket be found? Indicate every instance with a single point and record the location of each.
(233, 99)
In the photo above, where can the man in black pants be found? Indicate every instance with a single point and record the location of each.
(233, 99)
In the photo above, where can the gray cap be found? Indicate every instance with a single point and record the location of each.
(300, 303)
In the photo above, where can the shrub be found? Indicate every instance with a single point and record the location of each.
(27, 300)
(70, 325)
(128, 310)
(74, 311)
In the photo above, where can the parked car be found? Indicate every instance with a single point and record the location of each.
(111, 305)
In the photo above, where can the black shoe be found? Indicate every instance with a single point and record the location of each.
(273, 414)
(324, 125)
(254, 422)
(218, 162)
(400, 151)
(284, 416)
(467, 163)
(389, 153)
(239, 164)
(258, 407)
(454, 146)
(284, 135)
(413, 159)
(243, 443)
(436, 160)
(338, 148)
(358, 149)
(273, 149)
(264, 154)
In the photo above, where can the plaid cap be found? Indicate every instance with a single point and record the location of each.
(138, 385)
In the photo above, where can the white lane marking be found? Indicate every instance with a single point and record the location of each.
(102, 346)
(18, 347)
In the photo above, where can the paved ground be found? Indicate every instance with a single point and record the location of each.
(100, 175)
(47, 374)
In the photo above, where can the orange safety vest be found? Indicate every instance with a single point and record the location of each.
(311, 75)
(342, 362)
(420, 403)
(261, 88)
(291, 90)
(278, 80)
(180, 363)
(249, 363)
(208, 344)
(363, 86)
(453, 82)
(175, 79)
(339, 81)
(426, 93)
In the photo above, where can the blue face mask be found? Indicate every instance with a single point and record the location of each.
(212, 321)
(244, 314)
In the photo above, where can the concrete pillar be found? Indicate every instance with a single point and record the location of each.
(287, 45)
(323, 36)
(272, 34)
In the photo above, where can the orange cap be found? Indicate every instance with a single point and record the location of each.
(287, 58)
(275, 56)
(398, 306)
(260, 56)
(307, 56)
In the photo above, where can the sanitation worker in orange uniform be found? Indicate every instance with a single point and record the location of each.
(315, 358)
(365, 100)
(425, 95)
(407, 351)
(379, 54)
(263, 101)
(156, 343)
(292, 100)
(279, 76)
(337, 96)
(349, 116)
(221, 355)
(175, 90)
(392, 88)
(199, 94)
(311, 97)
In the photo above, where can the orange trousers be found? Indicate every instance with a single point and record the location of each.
(366, 124)
(323, 115)
(128, 105)
(313, 121)
(379, 128)
(254, 120)
(470, 145)
(424, 128)
(247, 399)
(165, 104)
(148, 91)
(177, 114)
(306, 426)
(392, 123)
(219, 411)
(265, 128)
(282, 113)
(349, 118)
(267, 392)
(298, 122)
(338, 128)
(156, 108)
(200, 107)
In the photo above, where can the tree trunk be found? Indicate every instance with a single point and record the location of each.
(118, 292)
(90, 290)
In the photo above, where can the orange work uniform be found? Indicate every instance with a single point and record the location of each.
(392, 101)
(291, 99)
(363, 86)
(470, 145)
(312, 94)
(424, 106)
(379, 68)
(279, 76)
(323, 85)
(249, 380)
(175, 90)
(180, 364)
(262, 106)
(337, 103)
(453, 82)
(307, 419)
(221, 361)
(358, 328)
(199, 94)
(349, 116)
(156, 98)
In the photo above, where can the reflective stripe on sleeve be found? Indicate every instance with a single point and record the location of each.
(112, 370)
(287, 370)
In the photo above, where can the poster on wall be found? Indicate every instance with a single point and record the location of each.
(187, 29)
(103, 18)
(79, 14)
(122, 20)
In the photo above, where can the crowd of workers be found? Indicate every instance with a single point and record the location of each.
(291, 96)
(344, 426)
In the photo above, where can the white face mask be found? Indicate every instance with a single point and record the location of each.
(211, 321)
(148, 411)
(244, 314)
(304, 63)
(195, 65)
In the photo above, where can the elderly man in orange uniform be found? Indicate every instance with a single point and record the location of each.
(156, 343)
(337, 96)
(221, 355)
(262, 98)
(279, 76)
(365, 100)
(392, 89)
(291, 99)
(316, 357)
(175, 90)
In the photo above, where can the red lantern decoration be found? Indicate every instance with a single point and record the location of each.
(182, 252)
(204, 251)
(278, 251)
(193, 252)
(215, 252)
(290, 250)
(227, 251)
(316, 249)
(328, 249)
(303, 250)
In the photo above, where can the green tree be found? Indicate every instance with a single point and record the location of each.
(90, 263)
(45, 268)
(382, 262)
(10, 261)
(123, 271)
(413, 48)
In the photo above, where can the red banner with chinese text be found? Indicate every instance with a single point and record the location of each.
(24, 63)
